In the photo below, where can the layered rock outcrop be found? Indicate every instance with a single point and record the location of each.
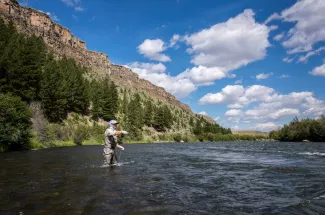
(61, 41)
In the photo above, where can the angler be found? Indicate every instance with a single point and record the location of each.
(111, 142)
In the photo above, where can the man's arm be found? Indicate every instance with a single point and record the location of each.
(120, 132)
(119, 146)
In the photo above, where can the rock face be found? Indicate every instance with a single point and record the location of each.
(60, 40)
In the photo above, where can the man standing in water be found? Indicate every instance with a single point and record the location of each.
(111, 142)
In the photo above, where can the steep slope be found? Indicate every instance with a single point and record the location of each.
(60, 40)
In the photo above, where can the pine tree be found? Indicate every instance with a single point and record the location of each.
(53, 92)
(135, 117)
(159, 120)
(78, 92)
(21, 65)
(148, 113)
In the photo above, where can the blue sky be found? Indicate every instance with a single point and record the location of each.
(250, 64)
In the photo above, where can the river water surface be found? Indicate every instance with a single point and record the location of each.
(184, 178)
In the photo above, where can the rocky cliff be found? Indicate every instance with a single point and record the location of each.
(60, 40)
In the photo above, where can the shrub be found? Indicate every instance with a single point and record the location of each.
(177, 137)
(15, 123)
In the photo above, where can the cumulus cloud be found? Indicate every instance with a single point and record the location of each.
(155, 73)
(230, 45)
(268, 126)
(234, 112)
(202, 75)
(152, 49)
(263, 76)
(283, 112)
(270, 105)
(309, 19)
(318, 71)
(147, 67)
(229, 94)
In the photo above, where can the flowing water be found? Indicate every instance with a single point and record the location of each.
(183, 178)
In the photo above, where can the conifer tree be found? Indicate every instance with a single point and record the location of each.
(77, 94)
(21, 65)
(148, 113)
(53, 92)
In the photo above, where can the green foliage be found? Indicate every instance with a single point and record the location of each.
(63, 89)
(149, 112)
(104, 97)
(15, 123)
(134, 117)
(163, 118)
(54, 92)
(21, 62)
(299, 130)
(177, 137)
(80, 134)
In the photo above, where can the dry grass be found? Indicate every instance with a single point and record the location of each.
(251, 132)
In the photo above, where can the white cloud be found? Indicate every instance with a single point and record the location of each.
(284, 112)
(284, 76)
(155, 73)
(318, 71)
(278, 37)
(174, 40)
(287, 59)
(147, 67)
(203, 113)
(80, 9)
(202, 75)
(239, 82)
(229, 94)
(309, 19)
(263, 76)
(309, 54)
(268, 126)
(217, 118)
(76, 4)
(234, 112)
(258, 93)
(273, 27)
(274, 16)
(152, 49)
(269, 104)
(230, 44)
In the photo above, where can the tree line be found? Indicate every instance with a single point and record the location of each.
(299, 130)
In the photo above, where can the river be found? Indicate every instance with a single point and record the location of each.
(178, 178)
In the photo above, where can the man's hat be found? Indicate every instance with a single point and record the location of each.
(113, 122)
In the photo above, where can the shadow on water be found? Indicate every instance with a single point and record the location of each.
(192, 178)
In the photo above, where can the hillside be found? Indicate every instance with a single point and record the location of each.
(59, 40)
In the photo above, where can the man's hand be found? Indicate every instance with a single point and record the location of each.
(124, 132)
(121, 147)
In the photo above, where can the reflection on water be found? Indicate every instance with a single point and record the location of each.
(196, 178)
